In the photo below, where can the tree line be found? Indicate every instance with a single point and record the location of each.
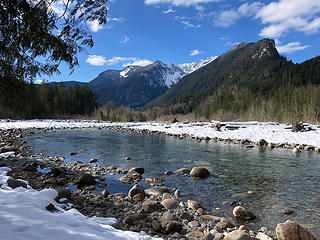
(28, 100)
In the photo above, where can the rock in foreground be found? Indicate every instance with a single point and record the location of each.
(199, 172)
(292, 231)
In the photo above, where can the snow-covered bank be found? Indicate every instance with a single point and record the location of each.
(252, 131)
(6, 124)
(23, 216)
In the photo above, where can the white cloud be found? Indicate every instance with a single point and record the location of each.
(226, 18)
(186, 23)
(290, 47)
(284, 16)
(229, 17)
(124, 39)
(96, 60)
(195, 52)
(185, 3)
(138, 62)
(120, 20)
(128, 61)
(170, 10)
(95, 26)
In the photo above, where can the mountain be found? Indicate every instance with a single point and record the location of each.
(135, 86)
(245, 65)
(194, 66)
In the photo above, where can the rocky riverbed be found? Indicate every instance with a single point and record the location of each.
(158, 210)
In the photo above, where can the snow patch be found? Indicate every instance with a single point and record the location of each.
(194, 66)
(23, 217)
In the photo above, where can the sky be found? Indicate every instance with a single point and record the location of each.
(139, 32)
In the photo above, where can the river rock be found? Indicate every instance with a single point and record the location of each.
(30, 168)
(210, 218)
(287, 211)
(199, 172)
(139, 197)
(130, 219)
(93, 160)
(262, 142)
(64, 193)
(170, 203)
(57, 171)
(157, 190)
(105, 193)
(238, 235)
(167, 217)
(86, 179)
(263, 236)
(139, 170)
(296, 150)
(150, 206)
(8, 149)
(193, 204)
(15, 183)
(183, 171)
(208, 236)
(292, 231)
(126, 180)
(241, 213)
(156, 225)
(135, 190)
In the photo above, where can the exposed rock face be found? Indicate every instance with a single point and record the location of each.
(238, 235)
(292, 231)
(199, 172)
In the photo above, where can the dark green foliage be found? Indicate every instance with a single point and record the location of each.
(281, 91)
(251, 65)
(35, 39)
(111, 112)
(46, 101)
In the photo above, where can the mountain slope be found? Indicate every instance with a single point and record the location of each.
(135, 86)
(247, 64)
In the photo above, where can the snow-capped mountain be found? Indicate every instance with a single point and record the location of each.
(194, 66)
(128, 70)
(137, 85)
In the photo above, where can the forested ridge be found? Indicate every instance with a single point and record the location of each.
(291, 94)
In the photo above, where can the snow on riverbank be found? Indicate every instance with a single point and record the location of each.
(23, 216)
(253, 131)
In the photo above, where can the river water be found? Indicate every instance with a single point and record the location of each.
(279, 179)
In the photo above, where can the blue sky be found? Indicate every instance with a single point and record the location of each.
(143, 31)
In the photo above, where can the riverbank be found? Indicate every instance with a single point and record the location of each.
(131, 213)
(270, 134)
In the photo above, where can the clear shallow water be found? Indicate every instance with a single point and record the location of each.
(279, 178)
